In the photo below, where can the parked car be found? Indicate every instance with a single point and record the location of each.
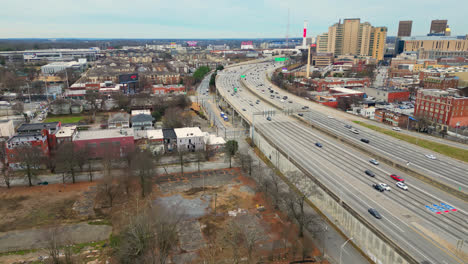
(374, 161)
(402, 186)
(318, 144)
(269, 118)
(370, 173)
(365, 140)
(397, 178)
(374, 212)
(378, 187)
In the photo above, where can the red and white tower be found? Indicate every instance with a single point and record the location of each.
(304, 35)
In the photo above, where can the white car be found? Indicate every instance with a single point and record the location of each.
(355, 131)
(430, 156)
(396, 129)
(402, 186)
(374, 161)
(385, 186)
(331, 117)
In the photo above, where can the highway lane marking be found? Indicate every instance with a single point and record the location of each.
(391, 230)
(374, 147)
(449, 253)
(352, 186)
(308, 132)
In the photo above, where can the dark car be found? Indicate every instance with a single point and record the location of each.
(370, 173)
(348, 126)
(374, 212)
(269, 118)
(365, 140)
(300, 114)
(318, 144)
(378, 187)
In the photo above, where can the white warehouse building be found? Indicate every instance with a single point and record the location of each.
(55, 67)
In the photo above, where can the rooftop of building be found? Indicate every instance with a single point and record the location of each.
(188, 132)
(142, 118)
(104, 133)
(144, 111)
(154, 134)
(345, 90)
(169, 133)
(66, 131)
(430, 38)
(441, 93)
(119, 117)
(25, 128)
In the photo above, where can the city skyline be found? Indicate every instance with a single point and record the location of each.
(212, 19)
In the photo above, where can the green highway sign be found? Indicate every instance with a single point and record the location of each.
(281, 59)
(242, 76)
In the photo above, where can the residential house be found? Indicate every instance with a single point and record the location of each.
(119, 120)
(170, 139)
(190, 139)
(142, 122)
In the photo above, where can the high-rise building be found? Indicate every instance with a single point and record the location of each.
(377, 43)
(438, 27)
(404, 28)
(322, 43)
(353, 38)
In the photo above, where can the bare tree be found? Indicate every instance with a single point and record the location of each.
(143, 166)
(150, 236)
(67, 159)
(109, 189)
(7, 176)
(231, 149)
(232, 237)
(30, 158)
(295, 206)
(181, 161)
(18, 108)
(52, 238)
(175, 117)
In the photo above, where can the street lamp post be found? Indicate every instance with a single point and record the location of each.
(342, 246)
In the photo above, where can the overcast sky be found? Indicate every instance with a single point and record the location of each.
(214, 18)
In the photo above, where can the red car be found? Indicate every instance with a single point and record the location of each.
(397, 178)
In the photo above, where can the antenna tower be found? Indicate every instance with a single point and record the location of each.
(287, 32)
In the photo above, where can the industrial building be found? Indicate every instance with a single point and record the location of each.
(59, 66)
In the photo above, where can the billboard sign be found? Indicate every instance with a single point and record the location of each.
(192, 43)
(29, 55)
(128, 78)
(281, 59)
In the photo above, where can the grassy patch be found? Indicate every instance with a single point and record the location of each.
(65, 119)
(19, 252)
(100, 222)
(77, 248)
(443, 149)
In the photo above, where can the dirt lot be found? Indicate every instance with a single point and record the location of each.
(228, 197)
(27, 207)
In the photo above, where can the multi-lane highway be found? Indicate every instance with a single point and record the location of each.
(447, 170)
(406, 220)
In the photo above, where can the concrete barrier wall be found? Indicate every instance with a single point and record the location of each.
(373, 243)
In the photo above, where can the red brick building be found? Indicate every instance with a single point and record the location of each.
(41, 135)
(393, 73)
(440, 83)
(391, 118)
(398, 96)
(102, 142)
(442, 107)
(426, 74)
(168, 89)
(321, 85)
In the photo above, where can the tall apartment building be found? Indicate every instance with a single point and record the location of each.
(438, 26)
(404, 28)
(353, 38)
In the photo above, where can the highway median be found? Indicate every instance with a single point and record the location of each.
(453, 152)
